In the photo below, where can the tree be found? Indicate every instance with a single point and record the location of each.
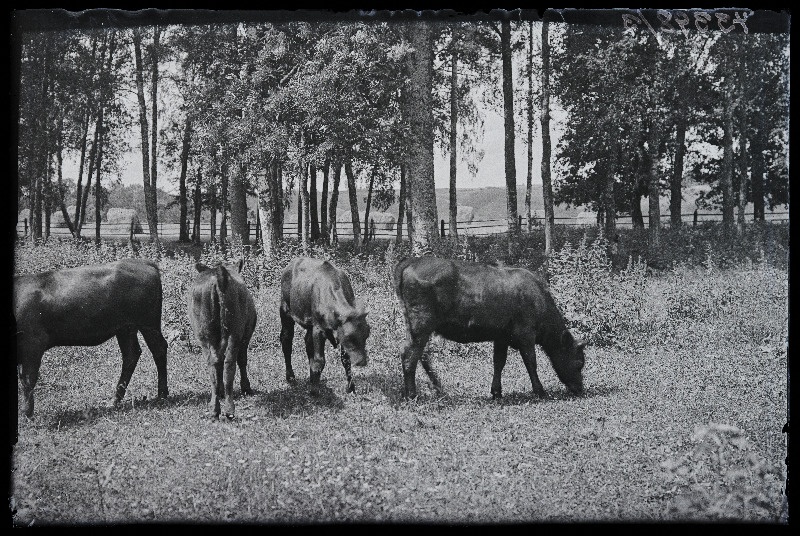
(149, 175)
(508, 126)
(547, 189)
(420, 115)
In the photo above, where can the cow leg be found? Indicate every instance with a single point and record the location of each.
(158, 347)
(426, 366)
(214, 364)
(528, 354)
(500, 356)
(228, 375)
(351, 386)
(28, 362)
(415, 345)
(129, 346)
(287, 335)
(242, 361)
(315, 348)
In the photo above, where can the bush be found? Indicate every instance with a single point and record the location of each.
(599, 304)
(721, 478)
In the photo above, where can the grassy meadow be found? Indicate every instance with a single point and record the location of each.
(686, 397)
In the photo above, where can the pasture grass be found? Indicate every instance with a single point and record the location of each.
(681, 419)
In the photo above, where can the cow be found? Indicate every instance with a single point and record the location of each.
(472, 302)
(86, 306)
(222, 314)
(318, 296)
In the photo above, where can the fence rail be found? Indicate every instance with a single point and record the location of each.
(378, 230)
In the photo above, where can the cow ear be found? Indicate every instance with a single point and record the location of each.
(200, 267)
(582, 344)
(566, 339)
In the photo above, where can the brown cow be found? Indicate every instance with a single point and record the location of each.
(471, 302)
(86, 306)
(319, 297)
(223, 317)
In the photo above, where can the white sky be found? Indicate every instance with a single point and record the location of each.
(491, 170)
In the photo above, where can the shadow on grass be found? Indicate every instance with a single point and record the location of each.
(298, 399)
(427, 396)
(90, 414)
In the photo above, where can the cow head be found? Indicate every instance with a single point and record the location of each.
(569, 362)
(352, 335)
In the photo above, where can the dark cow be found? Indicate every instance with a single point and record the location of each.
(470, 302)
(86, 306)
(223, 317)
(319, 297)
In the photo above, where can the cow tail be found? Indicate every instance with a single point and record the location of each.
(219, 300)
(398, 275)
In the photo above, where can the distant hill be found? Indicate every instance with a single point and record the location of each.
(489, 203)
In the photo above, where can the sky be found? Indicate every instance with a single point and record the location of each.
(491, 169)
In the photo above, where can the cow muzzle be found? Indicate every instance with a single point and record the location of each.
(359, 359)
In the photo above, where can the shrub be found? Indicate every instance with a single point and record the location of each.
(721, 478)
(598, 303)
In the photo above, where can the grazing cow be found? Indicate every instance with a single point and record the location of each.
(223, 317)
(319, 297)
(86, 306)
(470, 302)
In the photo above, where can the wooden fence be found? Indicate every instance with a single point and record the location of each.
(171, 231)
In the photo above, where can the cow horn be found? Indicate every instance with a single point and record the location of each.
(200, 267)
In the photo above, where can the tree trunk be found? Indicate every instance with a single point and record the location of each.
(60, 175)
(367, 235)
(401, 205)
(726, 177)
(239, 225)
(198, 207)
(529, 181)
(757, 169)
(313, 203)
(149, 195)
(187, 137)
(424, 217)
(676, 181)
(351, 192)
(84, 140)
(223, 200)
(98, 189)
(277, 190)
(92, 162)
(547, 188)
(453, 141)
(304, 204)
(48, 196)
(742, 109)
(323, 203)
(154, 134)
(609, 204)
(337, 176)
(213, 209)
(266, 208)
(508, 115)
(654, 212)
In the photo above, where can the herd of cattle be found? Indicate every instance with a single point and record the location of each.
(460, 301)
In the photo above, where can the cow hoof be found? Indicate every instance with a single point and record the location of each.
(291, 380)
(248, 391)
(497, 396)
(230, 416)
(351, 389)
(211, 416)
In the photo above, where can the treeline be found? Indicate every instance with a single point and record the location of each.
(287, 109)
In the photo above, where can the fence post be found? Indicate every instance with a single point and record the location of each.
(26, 226)
(694, 223)
(441, 233)
(519, 222)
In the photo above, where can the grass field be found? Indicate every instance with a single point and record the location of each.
(681, 418)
